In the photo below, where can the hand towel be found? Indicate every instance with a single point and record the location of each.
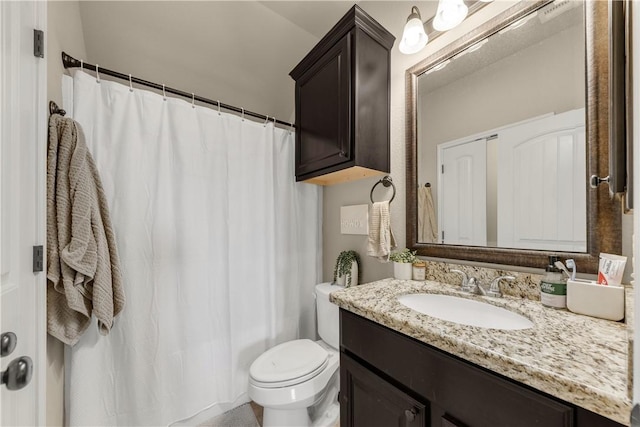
(381, 239)
(427, 222)
(83, 269)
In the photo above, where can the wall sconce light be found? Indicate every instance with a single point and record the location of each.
(414, 38)
(450, 14)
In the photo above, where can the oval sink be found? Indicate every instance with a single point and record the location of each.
(465, 311)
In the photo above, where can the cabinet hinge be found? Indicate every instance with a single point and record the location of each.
(38, 259)
(38, 43)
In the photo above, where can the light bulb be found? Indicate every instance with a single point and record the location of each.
(450, 14)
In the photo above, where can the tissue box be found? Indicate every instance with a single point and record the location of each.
(589, 298)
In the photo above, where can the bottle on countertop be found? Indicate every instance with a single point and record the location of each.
(553, 286)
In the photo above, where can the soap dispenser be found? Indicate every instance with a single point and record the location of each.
(553, 286)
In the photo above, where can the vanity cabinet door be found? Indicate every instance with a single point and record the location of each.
(367, 400)
(323, 111)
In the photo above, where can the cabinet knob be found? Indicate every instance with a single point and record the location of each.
(342, 153)
(410, 414)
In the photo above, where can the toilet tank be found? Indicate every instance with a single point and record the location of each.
(328, 315)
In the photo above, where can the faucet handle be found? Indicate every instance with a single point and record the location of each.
(465, 278)
(494, 289)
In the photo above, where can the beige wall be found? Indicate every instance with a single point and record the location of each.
(64, 33)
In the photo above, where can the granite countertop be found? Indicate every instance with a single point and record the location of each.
(579, 359)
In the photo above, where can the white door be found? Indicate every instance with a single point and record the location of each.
(462, 193)
(541, 184)
(23, 126)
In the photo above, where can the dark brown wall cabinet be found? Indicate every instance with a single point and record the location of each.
(342, 103)
(389, 379)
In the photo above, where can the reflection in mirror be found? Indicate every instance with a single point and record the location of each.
(535, 205)
(501, 138)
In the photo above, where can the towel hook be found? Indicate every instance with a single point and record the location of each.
(97, 73)
(54, 109)
(387, 182)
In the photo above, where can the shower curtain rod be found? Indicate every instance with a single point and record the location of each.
(70, 62)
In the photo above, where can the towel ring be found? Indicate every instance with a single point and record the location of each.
(387, 182)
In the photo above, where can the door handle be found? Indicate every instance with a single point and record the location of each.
(8, 342)
(18, 373)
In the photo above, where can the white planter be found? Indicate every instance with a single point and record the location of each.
(342, 280)
(402, 270)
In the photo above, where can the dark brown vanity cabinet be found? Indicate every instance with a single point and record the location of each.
(370, 401)
(389, 379)
(342, 103)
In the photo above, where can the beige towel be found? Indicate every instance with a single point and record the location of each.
(427, 222)
(381, 239)
(83, 273)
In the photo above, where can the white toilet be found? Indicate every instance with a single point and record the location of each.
(297, 382)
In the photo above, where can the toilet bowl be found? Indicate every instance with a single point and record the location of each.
(297, 381)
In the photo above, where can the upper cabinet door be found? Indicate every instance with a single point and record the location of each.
(323, 111)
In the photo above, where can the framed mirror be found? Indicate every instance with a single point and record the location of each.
(504, 128)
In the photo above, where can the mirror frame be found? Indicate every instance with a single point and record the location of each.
(604, 221)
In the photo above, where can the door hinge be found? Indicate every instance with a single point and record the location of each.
(442, 236)
(442, 168)
(38, 43)
(38, 259)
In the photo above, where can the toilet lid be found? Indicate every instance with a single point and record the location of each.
(288, 361)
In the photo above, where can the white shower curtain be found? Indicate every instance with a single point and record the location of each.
(220, 251)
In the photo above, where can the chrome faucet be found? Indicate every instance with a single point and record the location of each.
(467, 284)
(473, 286)
(494, 289)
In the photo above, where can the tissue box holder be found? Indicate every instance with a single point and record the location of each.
(589, 298)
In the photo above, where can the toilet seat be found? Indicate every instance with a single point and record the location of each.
(288, 364)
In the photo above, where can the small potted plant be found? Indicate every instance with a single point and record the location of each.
(346, 270)
(403, 264)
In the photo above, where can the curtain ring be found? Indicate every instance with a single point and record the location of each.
(218, 107)
(274, 121)
(81, 64)
(97, 73)
(242, 116)
(193, 100)
(266, 121)
(164, 94)
(290, 127)
(130, 84)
